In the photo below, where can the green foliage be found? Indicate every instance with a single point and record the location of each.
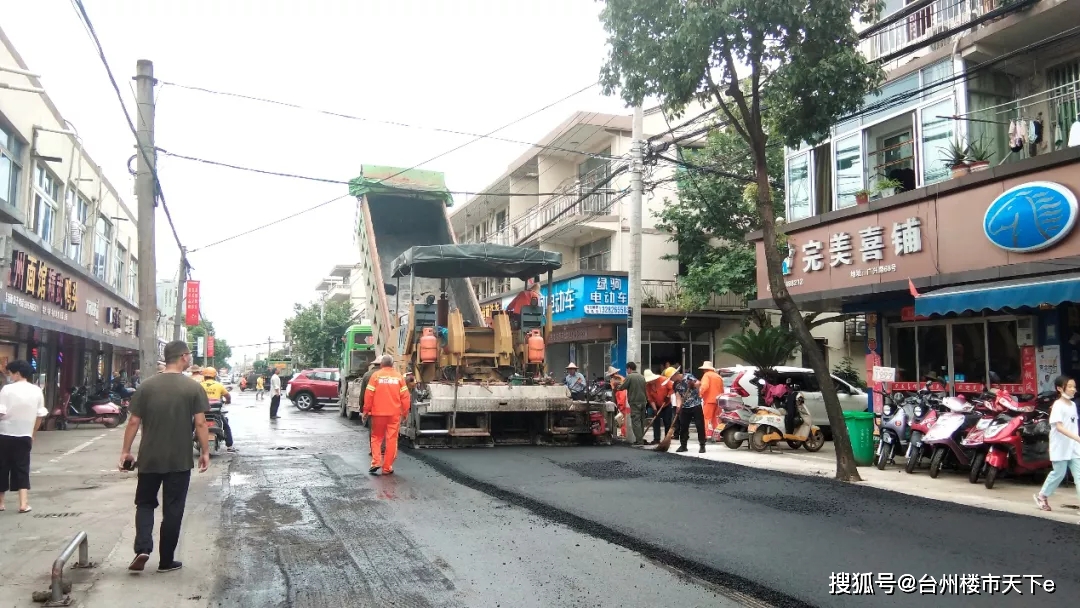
(222, 350)
(714, 212)
(316, 332)
(846, 371)
(765, 349)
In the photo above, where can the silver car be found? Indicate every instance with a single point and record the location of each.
(740, 379)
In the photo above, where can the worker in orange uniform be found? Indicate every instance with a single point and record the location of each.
(712, 386)
(386, 400)
(658, 392)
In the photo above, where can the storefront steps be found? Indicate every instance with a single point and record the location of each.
(1009, 495)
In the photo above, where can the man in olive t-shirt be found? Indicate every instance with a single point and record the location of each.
(164, 406)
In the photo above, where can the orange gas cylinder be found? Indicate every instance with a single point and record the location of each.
(536, 347)
(429, 346)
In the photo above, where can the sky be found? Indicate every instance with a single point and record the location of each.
(468, 65)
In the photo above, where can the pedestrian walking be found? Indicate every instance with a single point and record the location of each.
(275, 394)
(687, 388)
(22, 408)
(1064, 441)
(260, 389)
(712, 386)
(636, 397)
(658, 392)
(386, 400)
(164, 408)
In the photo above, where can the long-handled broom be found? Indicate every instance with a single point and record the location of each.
(665, 443)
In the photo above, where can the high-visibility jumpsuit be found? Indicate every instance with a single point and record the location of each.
(387, 401)
(712, 386)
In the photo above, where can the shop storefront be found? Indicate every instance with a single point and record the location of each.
(972, 282)
(70, 329)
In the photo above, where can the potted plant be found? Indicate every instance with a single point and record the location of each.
(887, 187)
(955, 156)
(979, 152)
(862, 197)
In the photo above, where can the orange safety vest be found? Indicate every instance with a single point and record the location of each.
(712, 387)
(387, 394)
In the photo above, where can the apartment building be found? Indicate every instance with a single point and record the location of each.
(344, 284)
(166, 302)
(964, 265)
(535, 203)
(68, 242)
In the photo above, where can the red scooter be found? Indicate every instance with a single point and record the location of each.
(990, 404)
(79, 408)
(1019, 439)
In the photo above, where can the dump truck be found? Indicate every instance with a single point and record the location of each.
(480, 388)
(357, 354)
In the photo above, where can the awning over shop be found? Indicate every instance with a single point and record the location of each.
(1017, 293)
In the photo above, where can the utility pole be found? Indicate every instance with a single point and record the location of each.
(637, 152)
(146, 192)
(181, 281)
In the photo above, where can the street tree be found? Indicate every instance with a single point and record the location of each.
(316, 332)
(765, 349)
(803, 71)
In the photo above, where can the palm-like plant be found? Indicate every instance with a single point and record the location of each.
(765, 349)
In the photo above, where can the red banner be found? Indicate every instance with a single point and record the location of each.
(961, 387)
(209, 346)
(192, 297)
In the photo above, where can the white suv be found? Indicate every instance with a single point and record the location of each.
(739, 380)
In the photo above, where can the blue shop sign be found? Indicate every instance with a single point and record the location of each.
(588, 297)
(1030, 217)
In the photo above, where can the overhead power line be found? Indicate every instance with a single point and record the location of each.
(271, 223)
(84, 18)
(326, 180)
(397, 123)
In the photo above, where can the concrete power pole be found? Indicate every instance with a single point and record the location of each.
(146, 192)
(633, 331)
(180, 283)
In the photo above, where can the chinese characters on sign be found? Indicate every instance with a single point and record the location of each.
(210, 346)
(906, 239)
(37, 280)
(890, 583)
(608, 298)
(192, 311)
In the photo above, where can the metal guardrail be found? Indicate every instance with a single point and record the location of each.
(57, 597)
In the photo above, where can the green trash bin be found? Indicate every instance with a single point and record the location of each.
(860, 427)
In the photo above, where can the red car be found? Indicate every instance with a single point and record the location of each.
(312, 389)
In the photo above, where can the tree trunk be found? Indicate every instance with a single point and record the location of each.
(845, 458)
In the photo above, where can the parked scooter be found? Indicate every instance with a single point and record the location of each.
(924, 416)
(80, 408)
(768, 426)
(1019, 440)
(734, 420)
(895, 427)
(946, 436)
(991, 403)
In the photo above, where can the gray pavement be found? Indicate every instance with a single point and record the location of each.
(307, 527)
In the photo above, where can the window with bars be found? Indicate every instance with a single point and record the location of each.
(1064, 82)
(595, 255)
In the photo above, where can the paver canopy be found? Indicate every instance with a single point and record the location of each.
(474, 260)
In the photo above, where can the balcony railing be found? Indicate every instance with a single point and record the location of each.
(668, 295)
(923, 24)
(563, 206)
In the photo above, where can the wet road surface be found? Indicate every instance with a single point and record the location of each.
(304, 525)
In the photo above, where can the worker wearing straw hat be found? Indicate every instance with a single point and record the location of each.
(574, 381)
(658, 393)
(712, 385)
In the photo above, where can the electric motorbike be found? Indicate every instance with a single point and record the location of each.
(895, 430)
(79, 407)
(946, 436)
(734, 420)
(768, 426)
(1019, 440)
(924, 416)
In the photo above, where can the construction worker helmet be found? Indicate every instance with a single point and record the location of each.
(669, 372)
(209, 373)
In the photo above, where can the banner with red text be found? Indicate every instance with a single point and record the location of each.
(192, 302)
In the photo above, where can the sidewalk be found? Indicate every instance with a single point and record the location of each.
(1009, 495)
(76, 487)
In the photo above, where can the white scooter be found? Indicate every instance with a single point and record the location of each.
(768, 426)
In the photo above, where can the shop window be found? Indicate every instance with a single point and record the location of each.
(902, 353)
(933, 352)
(969, 352)
(46, 193)
(10, 151)
(798, 187)
(937, 133)
(1004, 352)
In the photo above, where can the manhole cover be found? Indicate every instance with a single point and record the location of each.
(56, 515)
(285, 447)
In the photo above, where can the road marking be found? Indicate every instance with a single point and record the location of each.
(78, 448)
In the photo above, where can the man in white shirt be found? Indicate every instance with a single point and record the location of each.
(1064, 441)
(275, 394)
(22, 408)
